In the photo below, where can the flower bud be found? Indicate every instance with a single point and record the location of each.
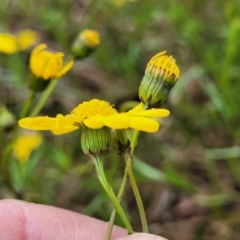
(95, 142)
(86, 42)
(121, 140)
(160, 76)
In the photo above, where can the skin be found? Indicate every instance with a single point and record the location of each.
(28, 221)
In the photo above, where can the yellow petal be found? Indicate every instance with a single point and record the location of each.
(138, 108)
(38, 123)
(95, 122)
(152, 113)
(38, 49)
(144, 124)
(117, 121)
(66, 68)
(66, 129)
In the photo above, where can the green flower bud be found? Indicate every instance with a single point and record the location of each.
(121, 140)
(86, 42)
(160, 76)
(95, 142)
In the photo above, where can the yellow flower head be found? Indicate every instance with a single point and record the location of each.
(14, 43)
(90, 37)
(120, 3)
(160, 76)
(24, 146)
(96, 114)
(86, 42)
(163, 67)
(46, 64)
(27, 38)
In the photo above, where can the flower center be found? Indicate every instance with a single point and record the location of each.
(93, 108)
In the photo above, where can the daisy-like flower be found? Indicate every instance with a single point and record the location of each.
(86, 42)
(25, 145)
(96, 114)
(14, 43)
(160, 76)
(46, 64)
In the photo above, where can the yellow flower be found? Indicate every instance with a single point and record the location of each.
(120, 3)
(48, 65)
(86, 42)
(96, 114)
(160, 76)
(27, 39)
(13, 43)
(90, 38)
(24, 146)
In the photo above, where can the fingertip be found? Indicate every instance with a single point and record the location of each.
(23, 220)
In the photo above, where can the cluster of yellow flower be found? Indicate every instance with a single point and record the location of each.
(160, 76)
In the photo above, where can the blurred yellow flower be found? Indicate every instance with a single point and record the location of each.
(27, 39)
(96, 114)
(14, 43)
(46, 64)
(90, 38)
(160, 76)
(86, 42)
(24, 146)
(120, 3)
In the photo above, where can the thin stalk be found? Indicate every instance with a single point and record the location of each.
(119, 197)
(136, 194)
(27, 104)
(44, 97)
(101, 176)
(128, 159)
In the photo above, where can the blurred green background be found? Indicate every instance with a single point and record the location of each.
(189, 171)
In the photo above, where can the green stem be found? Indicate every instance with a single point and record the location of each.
(101, 176)
(134, 141)
(44, 97)
(27, 104)
(119, 197)
(136, 194)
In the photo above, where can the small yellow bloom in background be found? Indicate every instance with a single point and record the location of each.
(10, 43)
(160, 76)
(96, 114)
(120, 3)
(27, 38)
(46, 64)
(90, 37)
(86, 42)
(24, 146)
